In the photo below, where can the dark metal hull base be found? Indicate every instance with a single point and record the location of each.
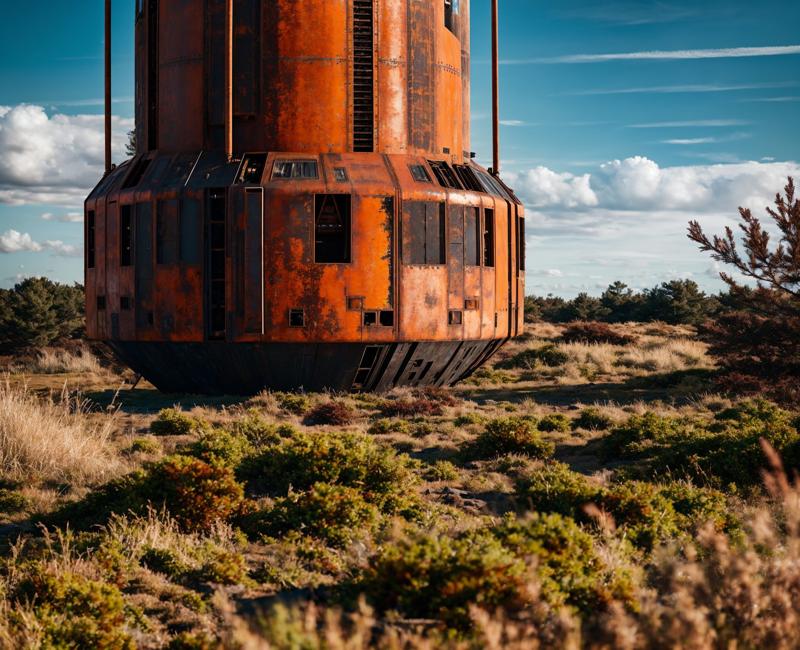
(219, 368)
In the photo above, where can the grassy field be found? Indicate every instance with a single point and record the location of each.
(585, 490)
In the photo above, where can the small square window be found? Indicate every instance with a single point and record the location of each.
(387, 318)
(455, 318)
(340, 174)
(101, 302)
(355, 303)
(297, 318)
(471, 304)
(125, 303)
(370, 318)
(420, 174)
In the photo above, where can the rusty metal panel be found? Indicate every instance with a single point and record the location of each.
(422, 109)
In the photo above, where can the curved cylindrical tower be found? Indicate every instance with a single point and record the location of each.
(303, 209)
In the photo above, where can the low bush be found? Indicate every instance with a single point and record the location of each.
(593, 419)
(410, 408)
(72, 611)
(595, 333)
(723, 452)
(172, 422)
(647, 513)
(295, 403)
(440, 576)
(335, 413)
(385, 426)
(220, 447)
(511, 435)
(145, 446)
(197, 494)
(548, 355)
(555, 422)
(334, 514)
(345, 459)
(442, 470)
(466, 419)
(12, 502)
(257, 431)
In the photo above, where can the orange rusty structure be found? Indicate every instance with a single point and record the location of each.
(303, 210)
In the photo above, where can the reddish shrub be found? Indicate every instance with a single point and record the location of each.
(409, 408)
(593, 332)
(335, 413)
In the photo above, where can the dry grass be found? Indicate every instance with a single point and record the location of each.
(53, 361)
(53, 440)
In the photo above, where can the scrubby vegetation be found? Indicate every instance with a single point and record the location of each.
(588, 489)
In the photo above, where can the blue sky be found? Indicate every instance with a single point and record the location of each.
(622, 120)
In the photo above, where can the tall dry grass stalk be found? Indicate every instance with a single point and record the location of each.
(53, 440)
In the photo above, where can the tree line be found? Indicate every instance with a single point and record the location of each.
(678, 302)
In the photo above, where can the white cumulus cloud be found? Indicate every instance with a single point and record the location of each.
(52, 159)
(13, 241)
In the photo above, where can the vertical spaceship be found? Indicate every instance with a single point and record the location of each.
(303, 209)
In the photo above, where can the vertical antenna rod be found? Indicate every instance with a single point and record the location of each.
(229, 79)
(495, 90)
(108, 85)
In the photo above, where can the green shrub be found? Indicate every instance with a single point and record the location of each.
(569, 567)
(335, 413)
(555, 422)
(172, 422)
(442, 470)
(257, 431)
(222, 567)
(647, 513)
(194, 492)
(438, 576)
(385, 425)
(548, 355)
(491, 376)
(12, 502)
(466, 419)
(333, 513)
(219, 447)
(593, 419)
(164, 561)
(511, 436)
(295, 403)
(722, 452)
(145, 446)
(347, 459)
(75, 612)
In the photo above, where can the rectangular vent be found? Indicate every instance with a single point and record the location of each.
(363, 76)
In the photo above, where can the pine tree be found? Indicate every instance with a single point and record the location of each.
(757, 339)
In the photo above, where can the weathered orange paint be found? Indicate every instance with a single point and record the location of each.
(297, 83)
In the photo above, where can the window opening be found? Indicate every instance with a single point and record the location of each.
(455, 318)
(101, 303)
(125, 303)
(253, 169)
(387, 318)
(297, 318)
(472, 237)
(370, 318)
(468, 178)
(297, 169)
(488, 238)
(521, 243)
(340, 174)
(450, 11)
(332, 229)
(420, 174)
(126, 235)
(216, 243)
(136, 174)
(444, 174)
(90, 239)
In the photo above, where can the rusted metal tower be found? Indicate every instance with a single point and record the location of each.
(303, 209)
